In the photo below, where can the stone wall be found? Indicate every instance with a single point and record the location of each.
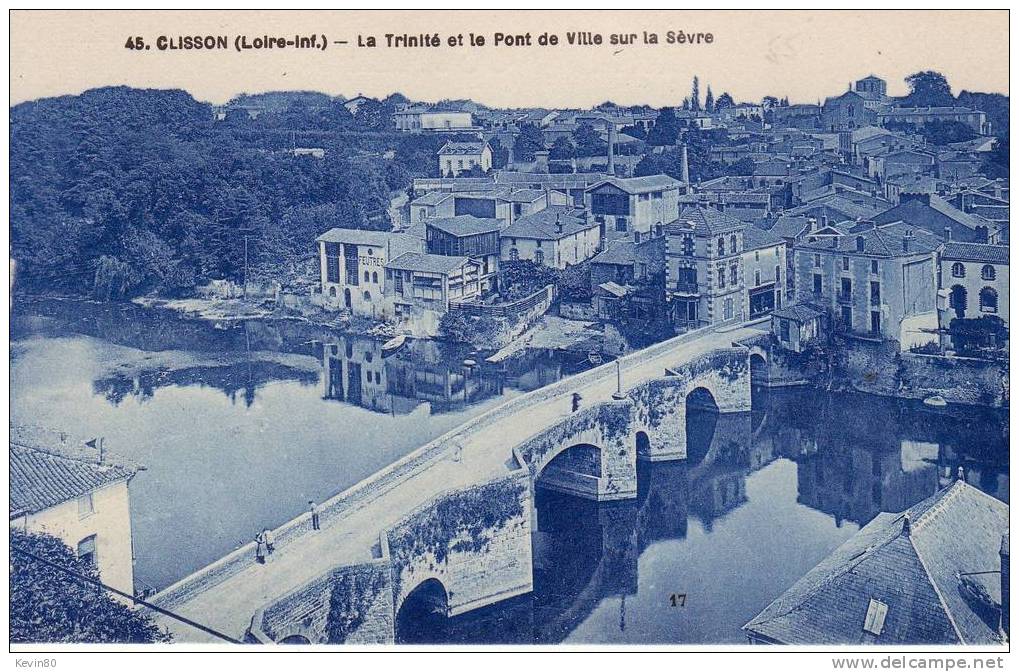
(660, 404)
(605, 425)
(475, 541)
(959, 380)
(352, 604)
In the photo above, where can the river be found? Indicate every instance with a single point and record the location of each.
(240, 424)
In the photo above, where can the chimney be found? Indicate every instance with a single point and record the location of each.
(824, 219)
(948, 233)
(685, 169)
(811, 224)
(905, 240)
(611, 169)
(558, 224)
(1005, 602)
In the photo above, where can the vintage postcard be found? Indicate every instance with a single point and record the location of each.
(551, 330)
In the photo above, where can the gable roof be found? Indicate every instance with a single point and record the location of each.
(426, 263)
(880, 241)
(542, 224)
(911, 562)
(463, 148)
(465, 225)
(41, 478)
(640, 185)
(798, 312)
(756, 238)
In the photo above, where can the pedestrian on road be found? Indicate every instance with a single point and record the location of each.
(576, 401)
(313, 507)
(270, 540)
(259, 552)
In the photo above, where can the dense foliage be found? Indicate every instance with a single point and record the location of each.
(48, 605)
(120, 191)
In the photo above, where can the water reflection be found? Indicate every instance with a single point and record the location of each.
(773, 492)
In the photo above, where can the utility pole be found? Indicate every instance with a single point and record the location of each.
(618, 394)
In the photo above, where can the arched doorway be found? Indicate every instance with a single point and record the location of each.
(957, 301)
(701, 418)
(346, 298)
(422, 618)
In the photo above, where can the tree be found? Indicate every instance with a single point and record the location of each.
(928, 88)
(588, 141)
(665, 130)
(945, 132)
(709, 101)
(769, 102)
(562, 150)
(695, 95)
(48, 605)
(500, 154)
(528, 141)
(724, 102)
(996, 163)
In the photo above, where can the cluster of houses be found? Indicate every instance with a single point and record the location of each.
(846, 214)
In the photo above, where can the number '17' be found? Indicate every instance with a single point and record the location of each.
(678, 599)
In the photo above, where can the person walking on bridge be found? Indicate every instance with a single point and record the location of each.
(313, 507)
(576, 401)
(270, 540)
(259, 552)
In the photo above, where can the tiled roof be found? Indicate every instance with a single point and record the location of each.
(542, 224)
(431, 198)
(616, 253)
(641, 185)
(881, 241)
(911, 562)
(462, 148)
(41, 479)
(705, 221)
(354, 237)
(991, 254)
(426, 263)
(465, 225)
(755, 238)
(798, 312)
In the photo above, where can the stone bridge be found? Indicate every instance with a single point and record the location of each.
(453, 522)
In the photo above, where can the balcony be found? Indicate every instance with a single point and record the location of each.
(686, 288)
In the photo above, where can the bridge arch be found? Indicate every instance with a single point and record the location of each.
(701, 416)
(573, 468)
(643, 444)
(294, 639)
(759, 374)
(423, 615)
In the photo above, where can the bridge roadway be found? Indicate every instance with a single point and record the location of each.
(487, 453)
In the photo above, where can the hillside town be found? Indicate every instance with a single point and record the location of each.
(554, 264)
(886, 221)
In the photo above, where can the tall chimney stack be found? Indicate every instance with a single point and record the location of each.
(612, 149)
(685, 170)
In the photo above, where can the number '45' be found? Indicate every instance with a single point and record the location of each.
(135, 43)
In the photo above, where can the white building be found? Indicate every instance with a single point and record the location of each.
(976, 277)
(63, 491)
(557, 236)
(456, 157)
(352, 268)
(418, 119)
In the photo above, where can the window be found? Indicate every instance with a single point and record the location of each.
(375, 277)
(817, 261)
(987, 272)
(366, 276)
(539, 257)
(958, 270)
(783, 327)
(875, 293)
(688, 246)
(757, 255)
(757, 278)
(87, 551)
(728, 309)
(845, 263)
(778, 275)
(874, 621)
(538, 243)
(732, 243)
(846, 290)
(398, 278)
(721, 277)
(620, 223)
(988, 300)
(367, 296)
(721, 246)
(332, 251)
(817, 283)
(86, 506)
(847, 317)
(734, 275)
(514, 254)
(875, 322)
(873, 266)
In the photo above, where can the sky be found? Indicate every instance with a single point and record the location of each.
(805, 55)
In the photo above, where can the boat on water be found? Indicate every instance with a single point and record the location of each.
(936, 401)
(394, 344)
